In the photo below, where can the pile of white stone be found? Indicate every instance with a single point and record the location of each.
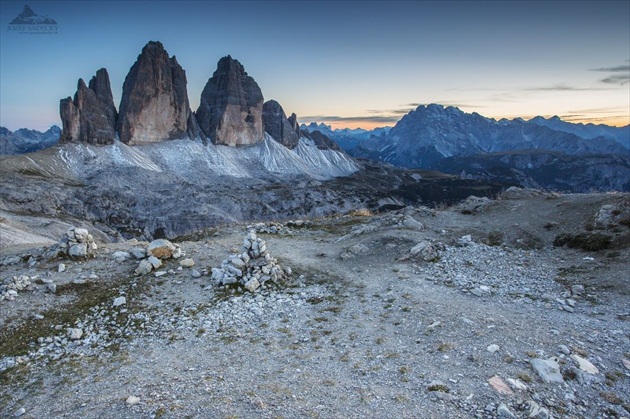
(77, 243)
(157, 251)
(270, 228)
(10, 288)
(251, 268)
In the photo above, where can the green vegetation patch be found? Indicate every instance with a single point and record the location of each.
(591, 242)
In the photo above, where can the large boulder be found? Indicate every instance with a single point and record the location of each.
(278, 126)
(161, 248)
(230, 110)
(91, 116)
(154, 105)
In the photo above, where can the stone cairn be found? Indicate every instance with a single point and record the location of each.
(77, 243)
(9, 288)
(252, 267)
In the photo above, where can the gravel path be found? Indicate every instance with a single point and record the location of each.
(367, 335)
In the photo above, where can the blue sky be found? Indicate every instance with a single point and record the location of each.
(344, 63)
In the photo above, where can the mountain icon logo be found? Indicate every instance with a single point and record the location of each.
(29, 17)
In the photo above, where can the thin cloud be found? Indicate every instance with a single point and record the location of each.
(560, 87)
(620, 79)
(350, 119)
(599, 110)
(406, 108)
(618, 69)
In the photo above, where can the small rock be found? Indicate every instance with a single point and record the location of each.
(61, 267)
(19, 412)
(577, 290)
(155, 262)
(477, 292)
(177, 253)
(51, 287)
(144, 267)
(585, 364)
(424, 250)
(79, 250)
(499, 385)
(195, 273)
(504, 412)
(121, 255)
(252, 285)
(132, 400)
(187, 263)
(534, 410)
(517, 384)
(564, 349)
(465, 240)
(138, 253)
(238, 262)
(160, 273)
(626, 363)
(434, 325)
(120, 301)
(493, 348)
(75, 334)
(547, 369)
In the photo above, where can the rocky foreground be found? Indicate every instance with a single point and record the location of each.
(514, 307)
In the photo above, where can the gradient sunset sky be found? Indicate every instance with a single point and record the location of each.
(347, 64)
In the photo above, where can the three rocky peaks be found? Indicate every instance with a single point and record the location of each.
(154, 107)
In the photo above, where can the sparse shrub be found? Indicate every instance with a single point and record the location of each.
(586, 241)
(550, 225)
(361, 212)
(439, 387)
(495, 238)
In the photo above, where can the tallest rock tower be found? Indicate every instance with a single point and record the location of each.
(154, 105)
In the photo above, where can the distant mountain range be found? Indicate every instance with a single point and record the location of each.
(588, 131)
(27, 140)
(577, 157)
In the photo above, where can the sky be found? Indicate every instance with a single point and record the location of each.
(347, 64)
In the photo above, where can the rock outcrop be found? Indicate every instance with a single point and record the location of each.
(295, 125)
(323, 142)
(230, 110)
(278, 126)
(154, 105)
(91, 116)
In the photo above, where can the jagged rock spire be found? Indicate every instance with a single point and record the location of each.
(278, 126)
(154, 105)
(230, 110)
(91, 116)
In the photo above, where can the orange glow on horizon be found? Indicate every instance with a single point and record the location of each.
(615, 121)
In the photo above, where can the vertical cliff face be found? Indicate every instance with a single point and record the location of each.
(154, 105)
(91, 116)
(230, 110)
(295, 125)
(278, 126)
